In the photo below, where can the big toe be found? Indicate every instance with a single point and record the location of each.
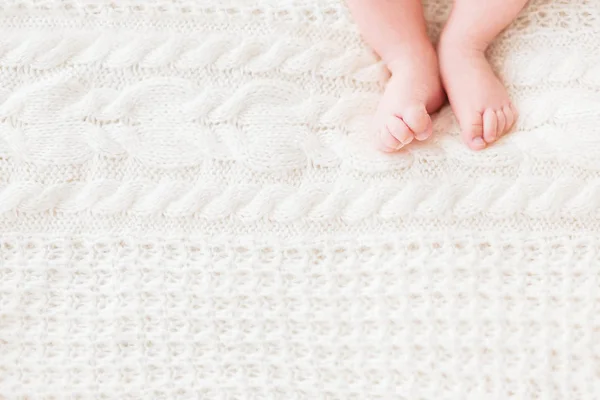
(490, 125)
(418, 121)
(472, 127)
(510, 116)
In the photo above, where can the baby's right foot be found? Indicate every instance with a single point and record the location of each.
(412, 93)
(478, 98)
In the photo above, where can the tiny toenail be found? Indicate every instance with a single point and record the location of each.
(478, 142)
(407, 140)
(422, 136)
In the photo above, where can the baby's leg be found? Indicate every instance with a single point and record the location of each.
(396, 30)
(477, 96)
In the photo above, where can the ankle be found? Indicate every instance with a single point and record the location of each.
(404, 57)
(461, 44)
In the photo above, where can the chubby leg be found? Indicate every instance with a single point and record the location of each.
(477, 96)
(396, 30)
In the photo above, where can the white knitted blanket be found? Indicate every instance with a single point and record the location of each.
(190, 209)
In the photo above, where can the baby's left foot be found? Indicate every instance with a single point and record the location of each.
(478, 98)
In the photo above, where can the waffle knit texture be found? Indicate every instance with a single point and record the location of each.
(190, 208)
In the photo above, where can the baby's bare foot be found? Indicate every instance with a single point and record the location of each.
(478, 98)
(412, 93)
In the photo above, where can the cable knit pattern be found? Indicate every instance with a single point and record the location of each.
(191, 208)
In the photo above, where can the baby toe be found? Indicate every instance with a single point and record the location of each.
(490, 126)
(399, 130)
(418, 121)
(472, 131)
(387, 142)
